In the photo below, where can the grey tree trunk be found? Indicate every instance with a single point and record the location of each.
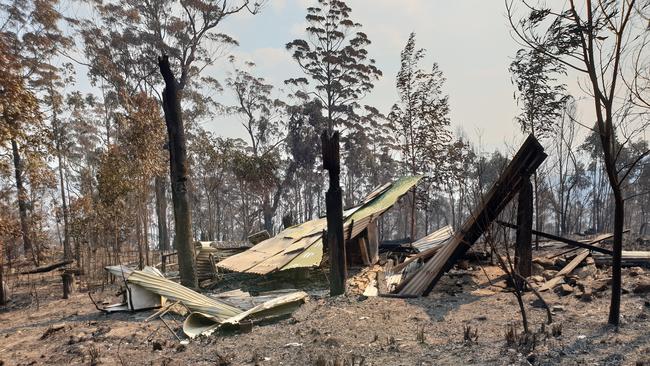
(3, 288)
(179, 176)
(67, 250)
(22, 204)
(161, 213)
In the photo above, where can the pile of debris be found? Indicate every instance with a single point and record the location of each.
(149, 289)
(395, 268)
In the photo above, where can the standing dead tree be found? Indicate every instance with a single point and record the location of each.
(595, 39)
(179, 176)
(334, 56)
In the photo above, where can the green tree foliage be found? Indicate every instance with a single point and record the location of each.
(335, 58)
(539, 94)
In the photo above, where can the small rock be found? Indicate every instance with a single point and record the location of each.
(463, 264)
(564, 289)
(548, 274)
(531, 358)
(557, 308)
(181, 348)
(590, 261)
(587, 294)
(571, 280)
(538, 279)
(537, 303)
(560, 262)
(642, 287)
(636, 271)
(585, 271)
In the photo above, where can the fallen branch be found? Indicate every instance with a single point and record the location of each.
(565, 240)
(47, 268)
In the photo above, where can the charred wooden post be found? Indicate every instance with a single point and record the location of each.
(334, 207)
(179, 176)
(68, 283)
(523, 246)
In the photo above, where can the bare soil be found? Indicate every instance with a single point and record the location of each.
(40, 328)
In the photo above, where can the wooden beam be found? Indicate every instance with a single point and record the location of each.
(548, 285)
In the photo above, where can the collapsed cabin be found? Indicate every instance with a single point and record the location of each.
(301, 246)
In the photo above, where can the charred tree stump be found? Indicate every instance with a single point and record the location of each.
(179, 176)
(334, 207)
(523, 246)
(68, 283)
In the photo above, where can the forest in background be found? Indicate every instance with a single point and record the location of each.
(89, 173)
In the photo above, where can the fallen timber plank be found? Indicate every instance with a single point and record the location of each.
(524, 163)
(628, 259)
(43, 269)
(548, 285)
(422, 255)
(575, 243)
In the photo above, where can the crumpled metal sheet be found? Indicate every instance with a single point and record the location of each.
(207, 314)
(198, 323)
(177, 292)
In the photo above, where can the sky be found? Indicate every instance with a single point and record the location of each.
(469, 39)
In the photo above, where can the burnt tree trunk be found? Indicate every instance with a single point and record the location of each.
(334, 207)
(161, 214)
(619, 217)
(523, 246)
(413, 213)
(68, 284)
(179, 176)
(22, 204)
(3, 288)
(267, 212)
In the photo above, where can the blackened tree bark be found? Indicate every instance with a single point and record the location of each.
(523, 246)
(334, 207)
(179, 176)
(161, 213)
(22, 204)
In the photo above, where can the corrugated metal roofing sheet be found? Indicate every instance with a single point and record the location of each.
(302, 245)
(207, 314)
(436, 238)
